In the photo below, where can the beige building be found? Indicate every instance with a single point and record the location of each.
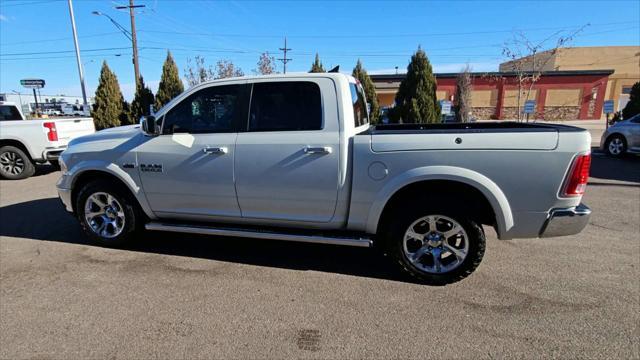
(623, 60)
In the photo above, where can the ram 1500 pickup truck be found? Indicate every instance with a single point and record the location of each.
(25, 143)
(293, 157)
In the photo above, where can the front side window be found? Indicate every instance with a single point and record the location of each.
(285, 106)
(9, 113)
(211, 110)
(360, 111)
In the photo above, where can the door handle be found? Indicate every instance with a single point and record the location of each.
(215, 150)
(317, 150)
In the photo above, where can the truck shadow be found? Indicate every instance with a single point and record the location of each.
(604, 167)
(54, 224)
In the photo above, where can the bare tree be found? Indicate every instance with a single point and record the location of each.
(197, 72)
(266, 64)
(226, 69)
(463, 94)
(528, 62)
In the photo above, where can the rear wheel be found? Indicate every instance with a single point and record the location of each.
(616, 146)
(435, 246)
(15, 164)
(107, 213)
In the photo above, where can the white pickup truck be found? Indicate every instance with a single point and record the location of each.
(25, 143)
(293, 157)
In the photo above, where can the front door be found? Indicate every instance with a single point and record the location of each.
(287, 162)
(187, 171)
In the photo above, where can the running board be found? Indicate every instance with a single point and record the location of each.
(260, 234)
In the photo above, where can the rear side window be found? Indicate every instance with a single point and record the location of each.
(212, 110)
(285, 106)
(360, 113)
(9, 113)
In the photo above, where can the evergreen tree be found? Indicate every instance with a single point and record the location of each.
(317, 67)
(416, 100)
(141, 102)
(170, 83)
(126, 118)
(369, 90)
(633, 106)
(107, 109)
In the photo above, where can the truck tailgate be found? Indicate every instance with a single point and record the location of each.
(461, 140)
(74, 127)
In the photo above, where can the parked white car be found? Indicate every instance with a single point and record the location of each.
(25, 143)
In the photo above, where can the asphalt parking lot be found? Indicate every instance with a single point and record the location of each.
(185, 296)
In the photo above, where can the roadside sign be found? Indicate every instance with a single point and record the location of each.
(530, 107)
(445, 107)
(608, 107)
(32, 83)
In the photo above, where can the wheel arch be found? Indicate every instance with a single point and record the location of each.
(124, 180)
(619, 134)
(453, 179)
(18, 144)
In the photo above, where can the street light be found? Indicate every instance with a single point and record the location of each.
(129, 36)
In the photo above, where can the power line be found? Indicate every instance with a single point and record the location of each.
(63, 51)
(29, 3)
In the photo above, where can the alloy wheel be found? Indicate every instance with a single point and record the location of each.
(435, 244)
(616, 146)
(104, 214)
(11, 163)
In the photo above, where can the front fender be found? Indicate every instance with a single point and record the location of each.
(130, 179)
(495, 196)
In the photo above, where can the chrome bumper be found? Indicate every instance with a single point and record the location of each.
(569, 221)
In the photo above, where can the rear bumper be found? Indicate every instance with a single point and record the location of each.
(53, 153)
(567, 221)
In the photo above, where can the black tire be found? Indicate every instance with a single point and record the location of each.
(393, 238)
(133, 218)
(619, 139)
(15, 164)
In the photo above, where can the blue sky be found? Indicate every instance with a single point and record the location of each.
(35, 35)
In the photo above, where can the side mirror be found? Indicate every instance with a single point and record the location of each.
(149, 126)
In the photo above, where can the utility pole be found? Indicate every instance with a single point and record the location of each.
(80, 69)
(285, 60)
(134, 41)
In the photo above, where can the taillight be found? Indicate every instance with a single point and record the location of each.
(577, 179)
(52, 135)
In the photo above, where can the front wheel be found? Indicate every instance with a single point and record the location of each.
(616, 146)
(435, 247)
(107, 213)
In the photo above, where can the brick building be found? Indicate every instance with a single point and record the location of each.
(574, 84)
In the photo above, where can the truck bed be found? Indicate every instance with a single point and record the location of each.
(467, 136)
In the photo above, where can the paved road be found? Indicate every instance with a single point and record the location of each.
(182, 296)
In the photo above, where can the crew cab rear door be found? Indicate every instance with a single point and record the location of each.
(287, 160)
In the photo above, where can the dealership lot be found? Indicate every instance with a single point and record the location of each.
(185, 296)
